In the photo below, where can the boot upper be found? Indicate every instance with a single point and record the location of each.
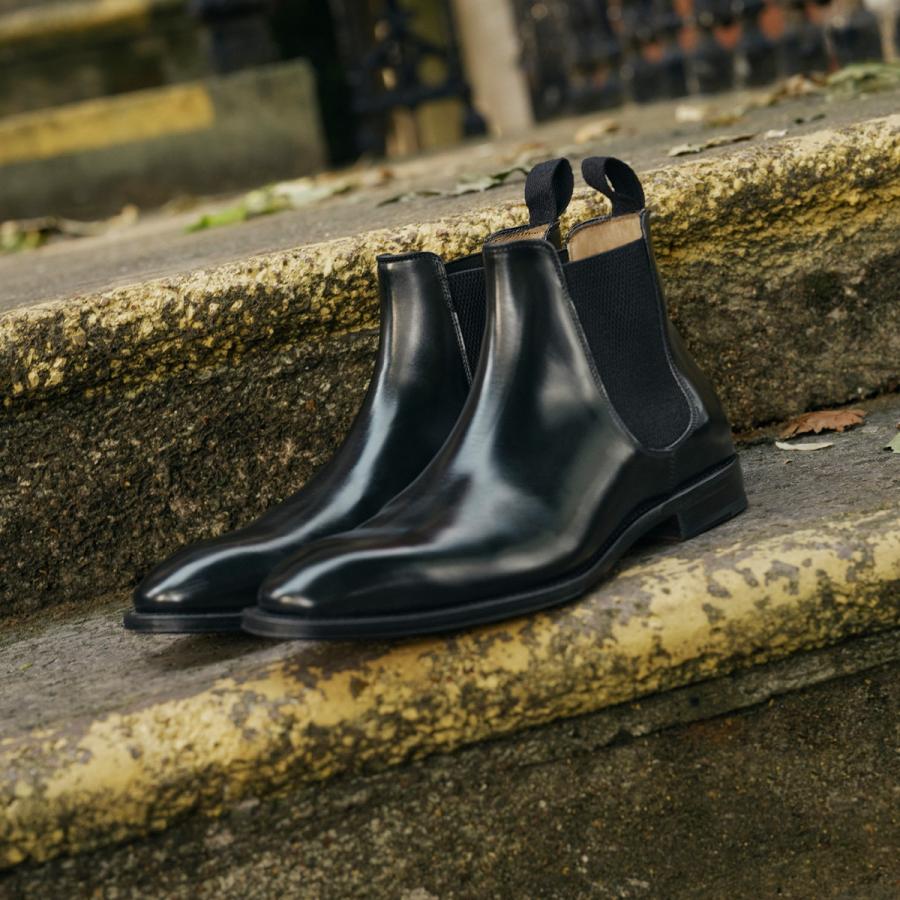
(431, 326)
(585, 409)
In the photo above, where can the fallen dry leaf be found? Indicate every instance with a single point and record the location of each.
(824, 420)
(863, 78)
(596, 129)
(467, 185)
(894, 445)
(721, 141)
(295, 194)
(706, 114)
(28, 234)
(802, 120)
(795, 86)
(525, 151)
(691, 112)
(820, 445)
(709, 114)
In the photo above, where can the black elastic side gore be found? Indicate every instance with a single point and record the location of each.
(615, 296)
(473, 261)
(467, 292)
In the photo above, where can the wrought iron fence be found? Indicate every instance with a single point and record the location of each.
(582, 55)
(577, 55)
(384, 56)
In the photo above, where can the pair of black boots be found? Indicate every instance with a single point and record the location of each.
(532, 414)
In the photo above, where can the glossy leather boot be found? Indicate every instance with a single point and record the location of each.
(432, 320)
(588, 425)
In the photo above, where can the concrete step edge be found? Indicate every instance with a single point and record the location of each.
(796, 203)
(663, 622)
(40, 22)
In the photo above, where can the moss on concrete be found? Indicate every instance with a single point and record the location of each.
(113, 121)
(102, 488)
(733, 234)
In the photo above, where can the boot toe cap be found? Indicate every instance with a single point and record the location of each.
(339, 578)
(160, 592)
(302, 592)
(203, 579)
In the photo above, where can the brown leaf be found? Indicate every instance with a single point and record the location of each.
(720, 141)
(594, 130)
(816, 445)
(824, 420)
(795, 86)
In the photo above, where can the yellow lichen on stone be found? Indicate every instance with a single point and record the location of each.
(659, 624)
(735, 203)
(105, 122)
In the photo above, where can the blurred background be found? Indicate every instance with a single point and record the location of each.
(105, 102)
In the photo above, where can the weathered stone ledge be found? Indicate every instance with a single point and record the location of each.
(87, 159)
(41, 22)
(611, 798)
(732, 234)
(159, 728)
(151, 415)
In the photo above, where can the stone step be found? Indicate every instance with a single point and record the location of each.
(91, 158)
(778, 781)
(146, 415)
(124, 736)
(54, 52)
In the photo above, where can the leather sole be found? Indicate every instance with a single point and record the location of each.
(704, 503)
(182, 623)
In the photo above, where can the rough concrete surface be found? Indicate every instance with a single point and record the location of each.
(98, 490)
(126, 734)
(135, 419)
(795, 798)
(158, 247)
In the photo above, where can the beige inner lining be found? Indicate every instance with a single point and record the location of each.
(599, 237)
(538, 231)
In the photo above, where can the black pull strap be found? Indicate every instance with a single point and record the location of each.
(548, 190)
(615, 180)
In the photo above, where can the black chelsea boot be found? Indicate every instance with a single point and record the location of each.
(587, 426)
(432, 320)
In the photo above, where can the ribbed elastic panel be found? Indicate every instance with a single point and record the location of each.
(468, 294)
(614, 294)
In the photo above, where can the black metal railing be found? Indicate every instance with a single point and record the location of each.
(238, 32)
(384, 55)
(577, 55)
(581, 55)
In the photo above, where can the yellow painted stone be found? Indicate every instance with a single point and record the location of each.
(107, 122)
(41, 22)
(660, 624)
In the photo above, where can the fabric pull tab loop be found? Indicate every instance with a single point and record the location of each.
(617, 181)
(548, 190)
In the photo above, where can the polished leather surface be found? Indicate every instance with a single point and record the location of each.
(536, 477)
(417, 391)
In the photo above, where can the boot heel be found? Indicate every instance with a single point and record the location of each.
(710, 503)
